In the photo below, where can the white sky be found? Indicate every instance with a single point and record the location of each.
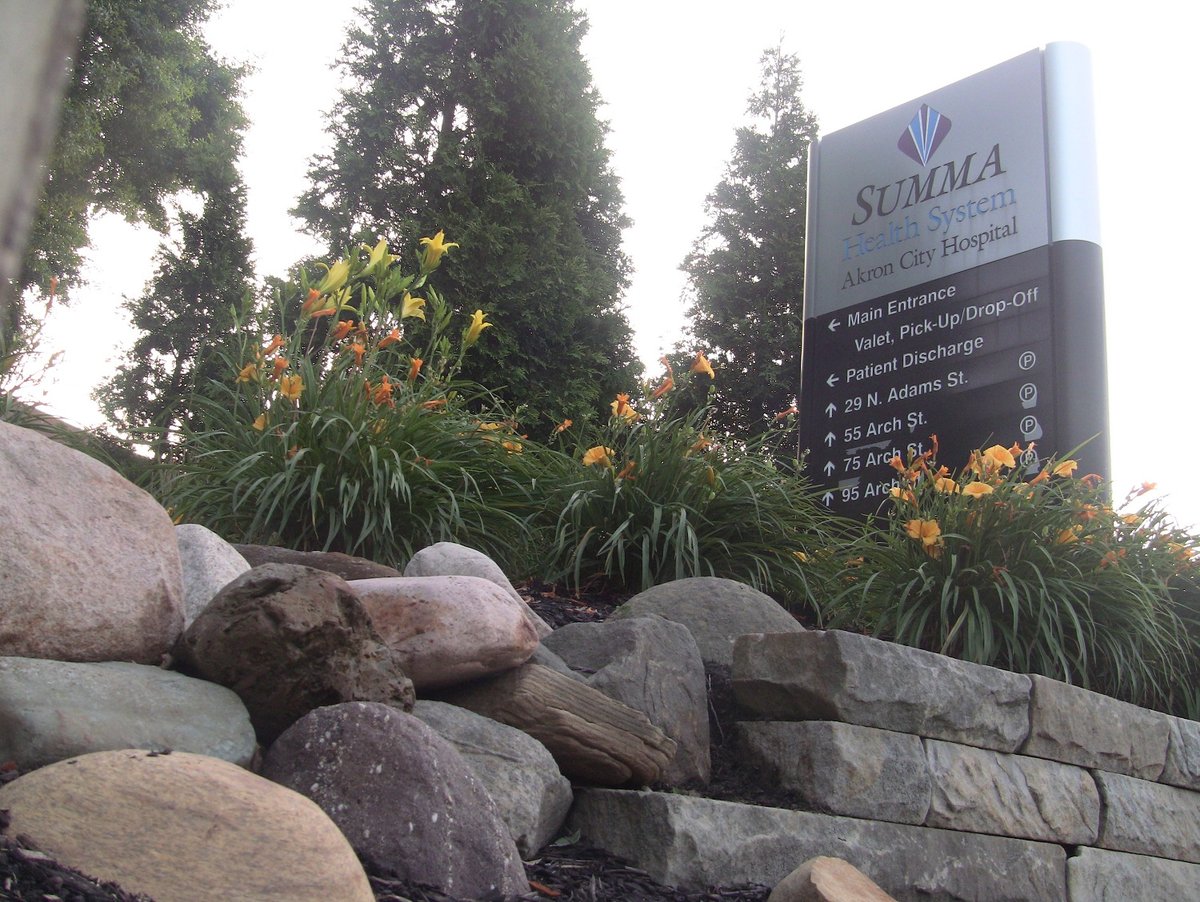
(675, 75)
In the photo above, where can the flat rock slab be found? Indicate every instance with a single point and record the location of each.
(843, 769)
(695, 843)
(835, 675)
(1182, 767)
(1149, 818)
(1081, 727)
(982, 791)
(1096, 875)
(51, 710)
(347, 566)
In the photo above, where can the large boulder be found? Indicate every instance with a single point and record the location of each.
(289, 639)
(51, 710)
(89, 566)
(452, 559)
(404, 797)
(448, 629)
(653, 666)
(209, 564)
(184, 828)
(516, 770)
(716, 611)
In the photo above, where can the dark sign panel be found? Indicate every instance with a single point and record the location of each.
(936, 301)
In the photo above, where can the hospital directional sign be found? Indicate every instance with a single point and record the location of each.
(952, 281)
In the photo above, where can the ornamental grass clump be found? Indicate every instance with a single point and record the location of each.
(652, 496)
(345, 427)
(1031, 572)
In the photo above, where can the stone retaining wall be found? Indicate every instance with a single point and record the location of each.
(937, 778)
(861, 728)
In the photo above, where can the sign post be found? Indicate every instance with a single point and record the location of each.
(953, 280)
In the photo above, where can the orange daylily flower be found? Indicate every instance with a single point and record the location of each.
(342, 329)
(903, 495)
(275, 344)
(390, 339)
(667, 385)
(358, 349)
(627, 470)
(563, 426)
(382, 393)
(433, 404)
(248, 372)
(414, 368)
(281, 364)
(702, 365)
(784, 414)
(620, 407)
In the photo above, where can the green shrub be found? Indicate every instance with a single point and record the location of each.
(1039, 576)
(651, 497)
(350, 432)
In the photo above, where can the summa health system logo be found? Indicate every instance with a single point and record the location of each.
(939, 199)
(924, 134)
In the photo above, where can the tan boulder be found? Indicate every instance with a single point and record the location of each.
(448, 629)
(89, 564)
(184, 828)
(825, 879)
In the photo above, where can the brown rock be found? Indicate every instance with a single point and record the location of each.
(344, 565)
(288, 639)
(184, 828)
(89, 565)
(593, 738)
(448, 629)
(824, 879)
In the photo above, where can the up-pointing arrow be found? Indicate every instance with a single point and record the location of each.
(830, 409)
(827, 499)
(829, 467)
(830, 438)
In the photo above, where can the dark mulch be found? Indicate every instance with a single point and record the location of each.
(566, 871)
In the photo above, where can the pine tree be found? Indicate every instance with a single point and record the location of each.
(478, 117)
(746, 271)
(185, 315)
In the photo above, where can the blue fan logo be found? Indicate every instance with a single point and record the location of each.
(924, 134)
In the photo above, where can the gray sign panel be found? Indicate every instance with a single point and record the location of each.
(935, 296)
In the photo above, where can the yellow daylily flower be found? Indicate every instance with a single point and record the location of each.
(1069, 535)
(290, 387)
(998, 456)
(410, 306)
(334, 278)
(946, 484)
(598, 455)
(379, 254)
(434, 248)
(477, 326)
(927, 532)
(248, 372)
(702, 365)
(977, 489)
(800, 556)
(1066, 468)
(260, 422)
(512, 447)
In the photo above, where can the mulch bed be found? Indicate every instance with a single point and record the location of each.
(566, 871)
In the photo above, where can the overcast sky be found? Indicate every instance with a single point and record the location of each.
(675, 77)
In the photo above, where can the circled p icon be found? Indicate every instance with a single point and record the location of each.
(1027, 360)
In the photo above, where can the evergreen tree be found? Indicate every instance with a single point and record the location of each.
(746, 271)
(185, 315)
(478, 117)
(148, 113)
